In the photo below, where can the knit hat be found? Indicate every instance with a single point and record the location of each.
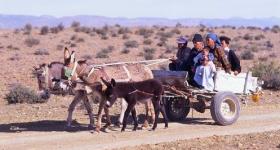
(182, 40)
(197, 38)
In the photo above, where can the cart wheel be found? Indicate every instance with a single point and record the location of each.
(177, 108)
(225, 108)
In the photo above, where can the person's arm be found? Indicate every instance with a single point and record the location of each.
(224, 60)
(235, 61)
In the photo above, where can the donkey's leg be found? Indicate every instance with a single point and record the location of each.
(162, 110)
(127, 111)
(108, 118)
(72, 106)
(123, 108)
(134, 119)
(146, 122)
(156, 104)
(99, 114)
(89, 110)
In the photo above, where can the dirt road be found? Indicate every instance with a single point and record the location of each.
(252, 119)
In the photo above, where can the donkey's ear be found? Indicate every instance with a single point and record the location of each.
(72, 57)
(105, 82)
(113, 82)
(66, 53)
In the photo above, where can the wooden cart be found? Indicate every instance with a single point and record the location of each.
(223, 102)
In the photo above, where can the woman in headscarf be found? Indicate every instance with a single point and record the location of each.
(220, 60)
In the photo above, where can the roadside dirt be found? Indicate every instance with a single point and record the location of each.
(47, 131)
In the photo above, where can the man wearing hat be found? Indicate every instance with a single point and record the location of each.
(189, 65)
(220, 60)
(182, 55)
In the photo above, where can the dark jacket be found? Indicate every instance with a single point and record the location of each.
(182, 57)
(220, 59)
(189, 64)
(234, 61)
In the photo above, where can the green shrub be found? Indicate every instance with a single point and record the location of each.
(41, 52)
(22, 94)
(247, 55)
(147, 42)
(269, 73)
(31, 42)
(125, 51)
(75, 24)
(131, 44)
(44, 30)
(149, 53)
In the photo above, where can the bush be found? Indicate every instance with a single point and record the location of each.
(125, 36)
(247, 55)
(125, 51)
(147, 42)
(87, 56)
(22, 94)
(149, 53)
(83, 29)
(79, 40)
(268, 44)
(170, 49)
(131, 44)
(41, 52)
(31, 42)
(44, 30)
(102, 54)
(54, 30)
(145, 32)
(175, 31)
(259, 37)
(269, 73)
(75, 24)
(275, 29)
(248, 37)
(15, 58)
(149, 50)
(104, 37)
(59, 47)
(60, 27)
(74, 37)
(27, 28)
(124, 30)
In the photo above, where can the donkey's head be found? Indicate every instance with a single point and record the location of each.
(110, 92)
(42, 74)
(69, 58)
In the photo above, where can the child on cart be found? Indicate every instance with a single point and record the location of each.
(205, 70)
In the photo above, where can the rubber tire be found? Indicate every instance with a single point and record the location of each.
(216, 111)
(185, 109)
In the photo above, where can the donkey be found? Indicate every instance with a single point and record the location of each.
(50, 82)
(49, 79)
(134, 92)
(80, 71)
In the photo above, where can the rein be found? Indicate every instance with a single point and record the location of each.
(136, 90)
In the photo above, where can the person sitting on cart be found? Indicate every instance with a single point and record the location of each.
(231, 56)
(181, 56)
(205, 70)
(189, 66)
(220, 60)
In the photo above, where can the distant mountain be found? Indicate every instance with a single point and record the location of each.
(17, 21)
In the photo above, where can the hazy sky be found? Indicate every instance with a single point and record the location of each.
(145, 8)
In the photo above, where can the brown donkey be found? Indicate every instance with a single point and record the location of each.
(76, 71)
(134, 92)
